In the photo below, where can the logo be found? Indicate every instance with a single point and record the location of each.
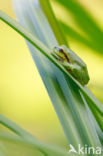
(85, 150)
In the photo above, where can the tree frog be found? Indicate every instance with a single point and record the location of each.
(73, 64)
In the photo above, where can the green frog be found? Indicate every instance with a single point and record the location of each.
(72, 63)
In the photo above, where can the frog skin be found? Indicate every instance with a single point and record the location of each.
(72, 63)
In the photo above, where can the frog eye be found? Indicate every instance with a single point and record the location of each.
(61, 50)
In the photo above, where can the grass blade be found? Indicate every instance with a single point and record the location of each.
(44, 66)
(59, 77)
(27, 139)
(53, 22)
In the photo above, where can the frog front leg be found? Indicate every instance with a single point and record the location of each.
(67, 65)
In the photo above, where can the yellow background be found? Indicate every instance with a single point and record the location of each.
(23, 97)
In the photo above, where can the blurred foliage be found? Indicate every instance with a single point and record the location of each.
(9, 148)
(93, 34)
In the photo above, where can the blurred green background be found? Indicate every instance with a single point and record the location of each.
(23, 97)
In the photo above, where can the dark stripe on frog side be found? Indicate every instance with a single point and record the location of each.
(62, 51)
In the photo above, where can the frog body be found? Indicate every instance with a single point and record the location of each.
(72, 63)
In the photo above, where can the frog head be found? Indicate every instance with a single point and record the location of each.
(59, 53)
